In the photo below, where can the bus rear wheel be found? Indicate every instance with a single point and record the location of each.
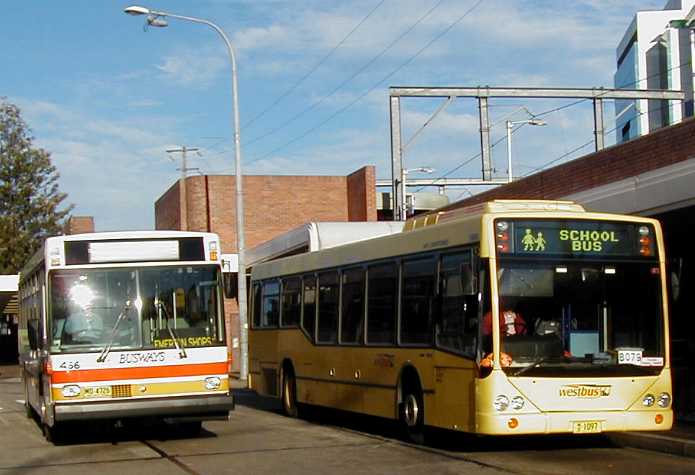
(289, 394)
(412, 416)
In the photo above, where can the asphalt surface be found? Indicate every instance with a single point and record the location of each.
(258, 439)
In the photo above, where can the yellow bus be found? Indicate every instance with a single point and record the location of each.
(402, 326)
(124, 325)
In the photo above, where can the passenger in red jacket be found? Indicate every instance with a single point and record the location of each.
(511, 323)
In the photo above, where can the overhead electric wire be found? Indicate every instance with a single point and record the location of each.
(556, 109)
(363, 95)
(576, 149)
(313, 70)
(346, 81)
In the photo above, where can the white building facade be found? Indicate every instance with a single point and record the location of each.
(655, 52)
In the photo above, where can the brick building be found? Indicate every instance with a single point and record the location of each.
(653, 175)
(272, 205)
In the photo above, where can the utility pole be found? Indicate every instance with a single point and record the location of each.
(183, 201)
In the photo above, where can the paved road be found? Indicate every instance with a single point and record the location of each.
(259, 440)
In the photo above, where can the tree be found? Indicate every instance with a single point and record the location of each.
(30, 201)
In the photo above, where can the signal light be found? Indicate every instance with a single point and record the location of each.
(645, 251)
(513, 423)
(503, 247)
(658, 418)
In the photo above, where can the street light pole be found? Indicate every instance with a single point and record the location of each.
(510, 126)
(404, 201)
(155, 18)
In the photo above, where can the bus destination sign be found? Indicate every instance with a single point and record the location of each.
(598, 238)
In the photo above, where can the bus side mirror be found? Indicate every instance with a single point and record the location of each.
(33, 334)
(230, 281)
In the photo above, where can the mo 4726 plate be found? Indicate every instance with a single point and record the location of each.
(586, 427)
(97, 391)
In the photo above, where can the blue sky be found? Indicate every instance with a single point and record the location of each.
(107, 98)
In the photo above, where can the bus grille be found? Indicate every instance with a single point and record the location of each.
(121, 390)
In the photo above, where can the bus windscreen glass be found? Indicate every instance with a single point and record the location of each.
(131, 308)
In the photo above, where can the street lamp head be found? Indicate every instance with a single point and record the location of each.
(537, 122)
(157, 21)
(135, 10)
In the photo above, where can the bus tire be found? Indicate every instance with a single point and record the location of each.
(191, 428)
(53, 434)
(288, 395)
(412, 414)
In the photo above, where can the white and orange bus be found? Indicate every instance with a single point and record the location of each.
(124, 325)
(401, 326)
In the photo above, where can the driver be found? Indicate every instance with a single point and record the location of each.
(511, 323)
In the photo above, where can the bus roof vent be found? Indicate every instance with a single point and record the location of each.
(502, 206)
(495, 206)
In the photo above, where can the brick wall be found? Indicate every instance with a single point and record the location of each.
(166, 209)
(272, 205)
(649, 152)
(79, 225)
(361, 195)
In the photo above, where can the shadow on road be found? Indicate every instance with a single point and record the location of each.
(436, 438)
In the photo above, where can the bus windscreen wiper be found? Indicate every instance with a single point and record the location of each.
(107, 349)
(182, 352)
(535, 364)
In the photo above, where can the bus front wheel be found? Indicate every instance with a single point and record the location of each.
(413, 415)
(289, 393)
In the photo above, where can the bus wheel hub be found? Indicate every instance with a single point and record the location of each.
(411, 410)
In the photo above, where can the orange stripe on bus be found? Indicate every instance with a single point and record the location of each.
(107, 374)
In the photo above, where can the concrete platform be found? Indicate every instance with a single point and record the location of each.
(678, 441)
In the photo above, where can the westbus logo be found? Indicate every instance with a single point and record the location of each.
(585, 391)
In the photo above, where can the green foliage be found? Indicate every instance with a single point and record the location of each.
(30, 202)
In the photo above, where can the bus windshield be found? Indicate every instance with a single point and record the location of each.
(596, 316)
(132, 308)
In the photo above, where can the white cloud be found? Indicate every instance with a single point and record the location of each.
(189, 68)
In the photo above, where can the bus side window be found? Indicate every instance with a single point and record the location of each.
(270, 308)
(417, 300)
(256, 305)
(456, 327)
(382, 283)
(352, 316)
(291, 301)
(328, 307)
(309, 308)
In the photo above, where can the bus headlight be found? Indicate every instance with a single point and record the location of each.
(212, 383)
(501, 403)
(664, 400)
(518, 403)
(648, 400)
(71, 390)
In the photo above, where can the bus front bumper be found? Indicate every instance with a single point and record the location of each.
(574, 422)
(213, 407)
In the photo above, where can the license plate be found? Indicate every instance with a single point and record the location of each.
(586, 427)
(98, 391)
